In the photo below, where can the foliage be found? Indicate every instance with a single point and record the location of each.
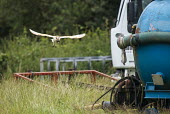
(3, 63)
(51, 16)
(64, 17)
(25, 52)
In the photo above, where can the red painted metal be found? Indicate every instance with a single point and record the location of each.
(55, 75)
(64, 72)
(23, 77)
(55, 78)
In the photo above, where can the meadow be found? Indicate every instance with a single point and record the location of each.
(22, 53)
(23, 97)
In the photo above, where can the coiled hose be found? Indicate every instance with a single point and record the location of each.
(134, 79)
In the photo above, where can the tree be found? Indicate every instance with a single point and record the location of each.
(53, 16)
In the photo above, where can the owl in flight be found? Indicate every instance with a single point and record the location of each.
(57, 38)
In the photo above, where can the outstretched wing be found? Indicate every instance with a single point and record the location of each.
(40, 34)
(74, 36)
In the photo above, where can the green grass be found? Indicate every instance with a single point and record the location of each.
(24, 97)
(22, 53)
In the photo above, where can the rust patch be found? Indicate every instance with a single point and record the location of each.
(137, 30)
(152, 27)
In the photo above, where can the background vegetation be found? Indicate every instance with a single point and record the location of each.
(21, 51)
(56, 16)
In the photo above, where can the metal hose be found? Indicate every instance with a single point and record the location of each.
(111, 104)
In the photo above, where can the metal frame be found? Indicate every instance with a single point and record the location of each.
(55, 75)
(74, 60)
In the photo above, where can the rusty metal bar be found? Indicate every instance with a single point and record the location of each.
(55, 78)
(67, 72)
(105, 75)
(28, 79)
(57, 73)
(93, 78)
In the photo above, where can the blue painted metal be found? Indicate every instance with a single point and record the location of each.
(154, 57)
(151, 93)
(155, 17)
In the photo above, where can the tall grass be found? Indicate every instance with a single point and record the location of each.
(29, 98)
(23, 54)
(23, 97)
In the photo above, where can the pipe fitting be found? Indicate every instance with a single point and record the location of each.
(143, 38)
(106, 105)
(123, 41)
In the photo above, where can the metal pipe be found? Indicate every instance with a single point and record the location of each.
(143, 38)
(106, 105)
(67, 73)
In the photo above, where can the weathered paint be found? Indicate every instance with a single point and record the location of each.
(154, 57)
(55, 74)
(155, 17)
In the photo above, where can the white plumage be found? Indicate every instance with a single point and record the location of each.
(57, 38)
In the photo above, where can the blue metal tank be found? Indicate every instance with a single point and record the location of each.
(155, 17)
(151, 44)
(153, 59)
